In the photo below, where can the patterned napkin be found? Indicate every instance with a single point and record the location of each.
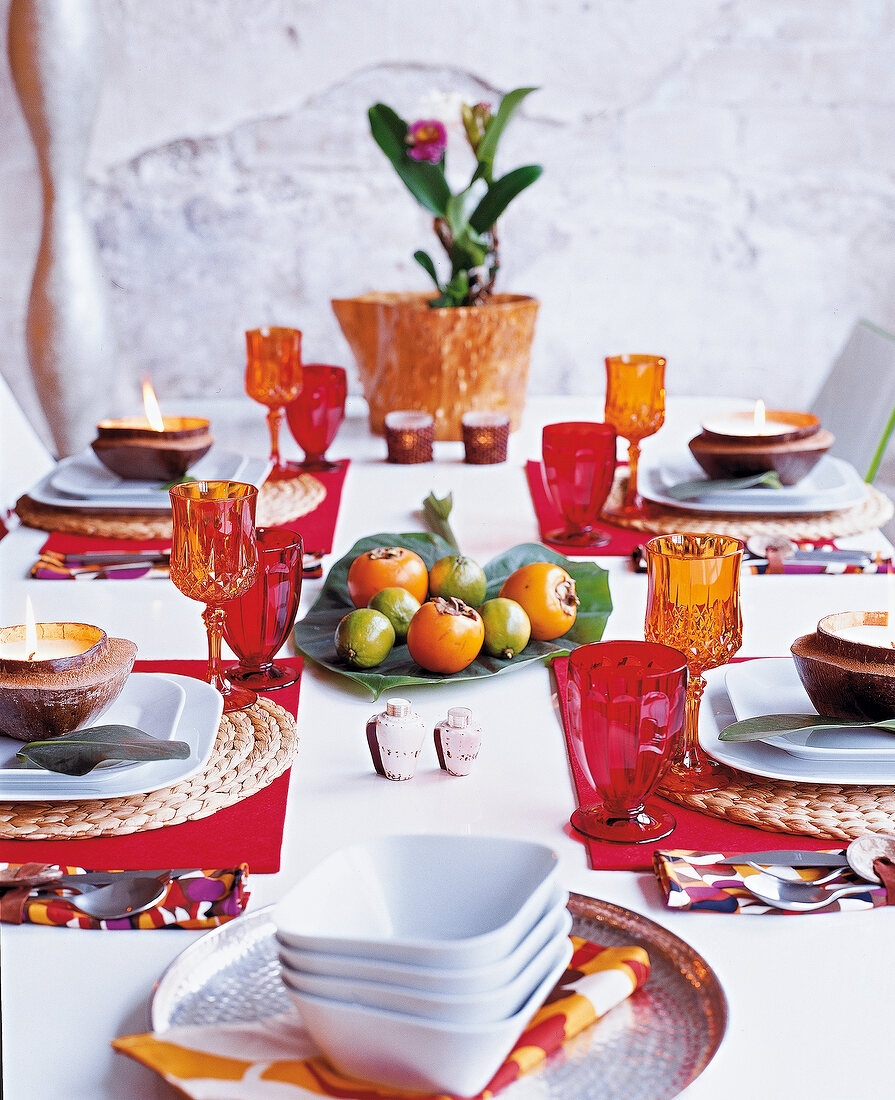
(275, 1058)
(199, 899)
(695, 880)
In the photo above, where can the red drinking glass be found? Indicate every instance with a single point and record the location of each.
(579, 465)
(627, 707)
(257, 623)
(317, 413)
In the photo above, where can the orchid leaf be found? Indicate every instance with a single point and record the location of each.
(79, 753)
(314, 633)
(767, 725)
(424, 180)
(460, 207)
(488, 145)
(501, 194)
(426, 263)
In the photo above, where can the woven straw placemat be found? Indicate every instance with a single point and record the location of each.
(873, 511)
(278, 502)
(252, 748)
(826, 810)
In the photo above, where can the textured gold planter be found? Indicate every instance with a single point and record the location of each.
(443, 361)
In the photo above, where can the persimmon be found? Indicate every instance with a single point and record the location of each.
(547, 595)
(445, 635)
(387, 567)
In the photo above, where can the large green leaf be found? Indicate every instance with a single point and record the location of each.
(314, 634)
(79, 753)
(424, 180)
(488, 145)
(501, 194)
(767, 725)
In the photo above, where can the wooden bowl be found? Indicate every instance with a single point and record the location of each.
(136, 452)
(40, 699)
(740, 456)
(843, 678)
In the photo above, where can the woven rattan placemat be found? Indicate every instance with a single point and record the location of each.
(873, 511)
(252, 748)
(827, 810)
(278, 502)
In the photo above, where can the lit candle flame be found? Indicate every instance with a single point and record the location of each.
(759, 417)
(30, 631)
(150, 404)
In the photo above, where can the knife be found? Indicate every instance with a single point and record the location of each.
(789, 859)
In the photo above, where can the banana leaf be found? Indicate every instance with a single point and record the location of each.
(314, 633)
(80, 752)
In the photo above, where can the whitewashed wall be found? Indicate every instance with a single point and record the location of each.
(719, 179)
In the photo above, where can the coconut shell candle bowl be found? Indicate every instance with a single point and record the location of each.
(62, 682)
(847, 666)
(740, 444)
(133, 449)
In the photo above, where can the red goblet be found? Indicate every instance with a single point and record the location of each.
(627, 706)
(317, 413)
(257, 623)
(579, 465)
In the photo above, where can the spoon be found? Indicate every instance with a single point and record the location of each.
(120, 899)
(785, 875)
(797, 897)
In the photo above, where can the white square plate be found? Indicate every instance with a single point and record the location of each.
(178, 708)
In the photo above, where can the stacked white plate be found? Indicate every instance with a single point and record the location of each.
(417, 961)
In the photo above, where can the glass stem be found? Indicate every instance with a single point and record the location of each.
(214, 624)
(632, 497)
(274, 420)
(689, 754)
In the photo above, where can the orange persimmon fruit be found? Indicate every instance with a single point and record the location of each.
(547, 595)
(445, 635)
(387, 567)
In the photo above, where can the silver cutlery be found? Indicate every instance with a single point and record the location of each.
(122, 898)
(859, 856)
(788, 859)
(830, 876)
(796, 897)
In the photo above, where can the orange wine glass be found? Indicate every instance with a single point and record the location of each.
(274, 378)
(635, 407)
(214, 558)
(693, 604)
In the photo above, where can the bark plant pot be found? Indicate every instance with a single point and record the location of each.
(443, 361)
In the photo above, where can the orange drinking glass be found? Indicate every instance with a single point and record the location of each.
(214, 558)
(635, 407)
(693, 604)
(274, 378)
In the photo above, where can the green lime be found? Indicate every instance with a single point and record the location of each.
(507, 627)
(364, 638)
(398, 606)
(460, 577)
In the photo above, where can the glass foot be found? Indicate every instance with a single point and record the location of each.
(652, 823)
(262, 679)
(581, 539)
(238, 698)
(318, 464)
(284, 471)
(703, 774)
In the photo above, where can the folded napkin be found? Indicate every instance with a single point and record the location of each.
(695, 880)
(275, 1058)
(198, 899)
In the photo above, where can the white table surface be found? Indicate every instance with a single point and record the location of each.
(807, 995)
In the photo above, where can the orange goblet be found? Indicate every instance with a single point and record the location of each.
(274, 378)
(693, 604)
(214, 558)
(635, 407)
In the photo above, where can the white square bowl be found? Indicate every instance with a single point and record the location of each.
(410, 1052)
(430, 979)
(474, 1008)
(427, 900)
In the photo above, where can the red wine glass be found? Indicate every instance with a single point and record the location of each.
(317, 413)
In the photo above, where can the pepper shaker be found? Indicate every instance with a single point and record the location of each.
(457, 741)
(395, 737)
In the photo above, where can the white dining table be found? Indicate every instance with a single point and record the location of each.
(810, 998)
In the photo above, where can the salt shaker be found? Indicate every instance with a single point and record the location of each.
(395, 737)
(457, 741)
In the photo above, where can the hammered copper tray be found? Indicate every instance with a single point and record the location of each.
(650, 1047)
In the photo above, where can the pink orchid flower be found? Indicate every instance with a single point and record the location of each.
(427, 139)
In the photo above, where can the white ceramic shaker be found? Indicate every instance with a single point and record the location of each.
(457, 741)
(395, 737)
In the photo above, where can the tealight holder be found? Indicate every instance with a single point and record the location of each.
(409, 436)
(49, 697)
(133, 449)
(485, 437)
(847, 666)
(790, 445)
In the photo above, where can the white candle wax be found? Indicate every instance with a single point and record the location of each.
(879, 636)
(48, 649)
(743, 426)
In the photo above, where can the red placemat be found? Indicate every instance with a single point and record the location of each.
(694, 831)
(622, 540)
(249, 831)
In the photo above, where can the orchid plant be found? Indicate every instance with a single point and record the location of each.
(465, 222)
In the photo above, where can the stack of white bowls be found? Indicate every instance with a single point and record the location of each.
(417, 961)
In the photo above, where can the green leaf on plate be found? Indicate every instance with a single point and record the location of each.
(702, 487)
(767, 725)
(314, 633)
(79, 752)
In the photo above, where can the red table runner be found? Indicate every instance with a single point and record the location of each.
(694, 832)
(249, 831)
